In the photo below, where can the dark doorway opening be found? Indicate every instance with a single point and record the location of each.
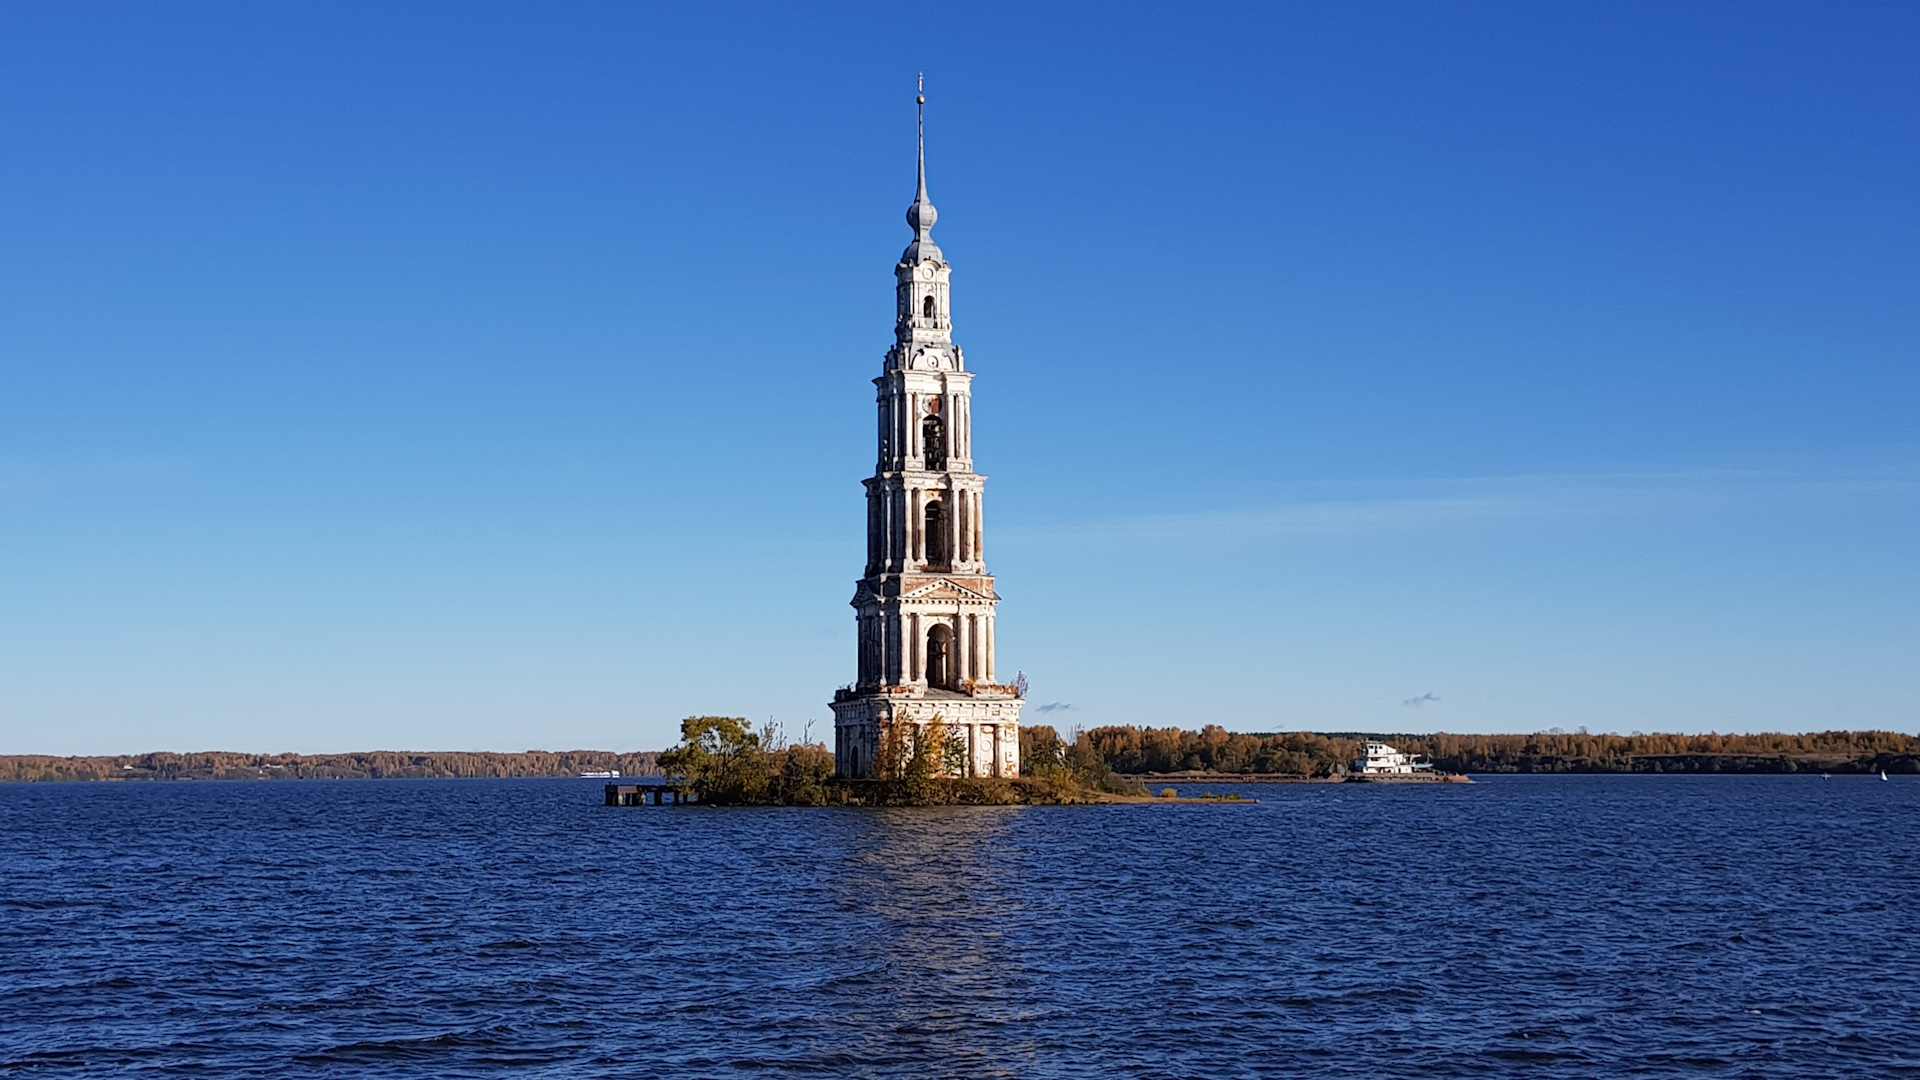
(940, 667)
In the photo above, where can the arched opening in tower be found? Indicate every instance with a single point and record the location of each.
(936, 534)
(933, 438)
(939, 657)
(926, 307)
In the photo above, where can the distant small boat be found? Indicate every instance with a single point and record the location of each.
(608, 775)
(1883, 774)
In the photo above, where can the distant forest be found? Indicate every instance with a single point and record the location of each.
(1308, 754)
(377, 765)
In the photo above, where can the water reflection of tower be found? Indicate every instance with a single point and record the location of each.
(925, 969)
(926, 607)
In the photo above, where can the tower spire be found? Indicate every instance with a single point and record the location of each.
(921, 215)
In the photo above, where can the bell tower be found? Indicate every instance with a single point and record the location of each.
(925, 608)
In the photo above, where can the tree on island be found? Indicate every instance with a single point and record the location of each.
(914, 760)
(1062, 765)
(724, 762)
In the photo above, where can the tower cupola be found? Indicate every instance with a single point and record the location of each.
(921, 216)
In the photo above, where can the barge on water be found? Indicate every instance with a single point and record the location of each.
(1384, 764)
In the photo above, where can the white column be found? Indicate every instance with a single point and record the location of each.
(914, 645)
(901, 529)
(903, 506)
(914, 527)
(899, 647)
(962, 655)
(980, 527)
(964, 526)
(973, 524)
(950, 524)
(991, 677)
(896, 530)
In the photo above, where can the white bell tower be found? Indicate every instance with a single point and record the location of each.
(926, 606)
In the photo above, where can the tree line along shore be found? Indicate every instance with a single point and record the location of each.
(373, 765)
(1309, 755)
(1092, 755)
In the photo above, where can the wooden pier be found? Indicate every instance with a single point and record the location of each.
(639, 794)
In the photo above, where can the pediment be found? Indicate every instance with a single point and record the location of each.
(945, 589)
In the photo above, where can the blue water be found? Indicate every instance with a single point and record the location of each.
(1538, 926)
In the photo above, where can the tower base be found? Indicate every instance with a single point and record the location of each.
(988, 719)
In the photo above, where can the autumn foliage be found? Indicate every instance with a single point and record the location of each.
(1215, 749)
(723, 761)
(1309, 754)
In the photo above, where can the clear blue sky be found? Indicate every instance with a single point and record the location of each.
(496, 375)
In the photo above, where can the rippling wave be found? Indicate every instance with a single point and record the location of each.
(1546, 926)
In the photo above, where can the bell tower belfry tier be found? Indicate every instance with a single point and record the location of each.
(926, 606)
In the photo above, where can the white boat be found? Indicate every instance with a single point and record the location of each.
(1385, 760)
(610, 774)
(1883, 774)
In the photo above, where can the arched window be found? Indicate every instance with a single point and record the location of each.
(933, 440)
(936, 533)
(940, 668)
(926, 307)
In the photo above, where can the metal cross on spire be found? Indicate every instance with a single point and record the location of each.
(921, 215)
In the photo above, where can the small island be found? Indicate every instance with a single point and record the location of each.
(723, 761)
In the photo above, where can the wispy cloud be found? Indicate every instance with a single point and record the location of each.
(1056, 706)
(1425, 506)
(1422, 699)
